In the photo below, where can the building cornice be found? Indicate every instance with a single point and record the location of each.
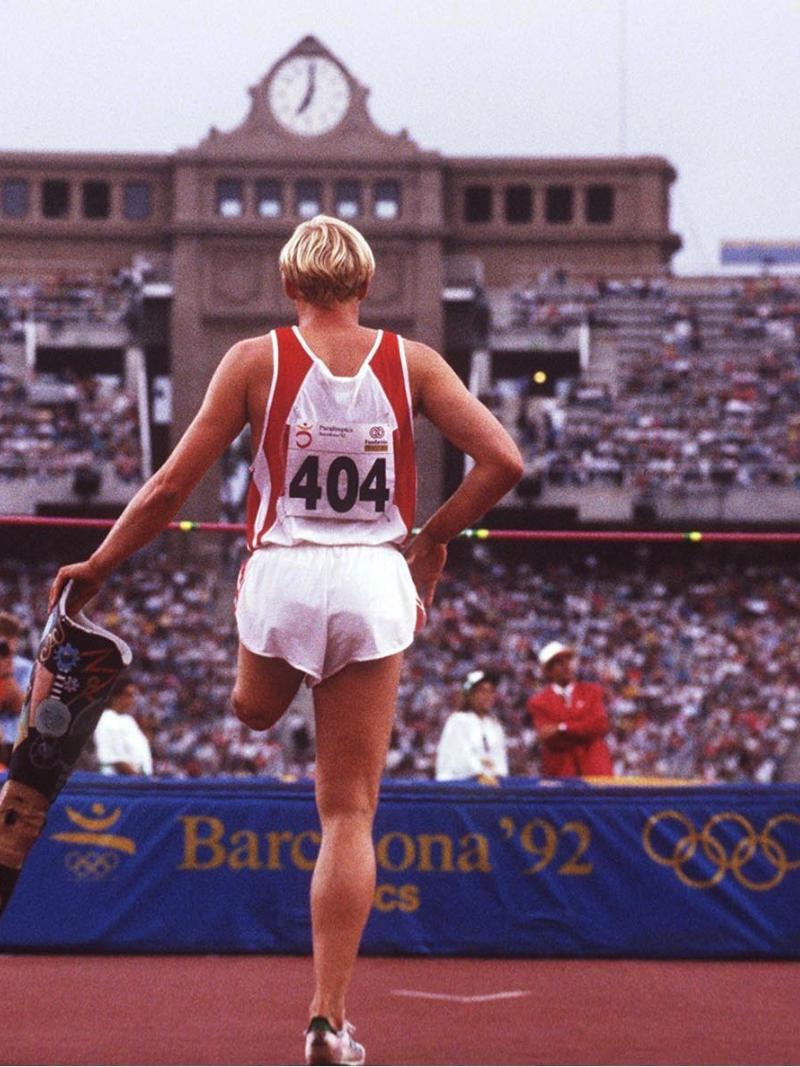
(544, 164)
(560, 236)
(81, 230)
(83, 160)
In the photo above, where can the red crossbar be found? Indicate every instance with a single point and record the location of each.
(481, 534)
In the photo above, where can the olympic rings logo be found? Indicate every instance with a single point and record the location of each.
(91, 866)
(705, 845)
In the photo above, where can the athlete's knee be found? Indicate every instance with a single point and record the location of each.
(347, 802)
(256, 714)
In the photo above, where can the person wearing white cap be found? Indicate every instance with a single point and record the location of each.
(473, 743)
(570, 718)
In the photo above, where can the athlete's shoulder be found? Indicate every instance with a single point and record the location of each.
(251, 354)
(420, 355)
(252, 347)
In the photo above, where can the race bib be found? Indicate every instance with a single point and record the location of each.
(339, 472)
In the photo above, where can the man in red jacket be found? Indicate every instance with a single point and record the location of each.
(570, 718)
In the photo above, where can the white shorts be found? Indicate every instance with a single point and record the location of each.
(320, 607)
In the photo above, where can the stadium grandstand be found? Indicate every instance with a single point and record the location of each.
(683, 409)
(73, 423)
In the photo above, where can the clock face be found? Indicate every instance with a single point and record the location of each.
(309, 95)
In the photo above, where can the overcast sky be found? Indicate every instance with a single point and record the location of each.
(711, 84)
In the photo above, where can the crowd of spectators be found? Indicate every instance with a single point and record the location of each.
(704, 396)
(64, 299)
(53, 424)
(57, 425)
(699, 659)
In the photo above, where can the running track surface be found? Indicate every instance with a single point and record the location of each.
(251, 1010)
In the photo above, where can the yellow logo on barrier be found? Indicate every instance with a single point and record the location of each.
(704, 846)
(105, 849)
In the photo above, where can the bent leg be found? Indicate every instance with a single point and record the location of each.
(354, 714)
(264, 688)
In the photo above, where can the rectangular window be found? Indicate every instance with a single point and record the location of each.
(386, 204)
(230, 199)
(269, 199)
(519, 203)
(308, 198)
(600, 203)
(96, 200)
(478, 203)
(55, 198)
(559, 203)
(16, 198)
(136, 201)
(348, 199)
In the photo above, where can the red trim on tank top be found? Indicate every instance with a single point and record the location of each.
(293, 366)
(387, 366)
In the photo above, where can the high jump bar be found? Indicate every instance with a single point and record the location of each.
(478, 534)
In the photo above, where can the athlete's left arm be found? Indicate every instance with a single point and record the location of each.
(221, 417)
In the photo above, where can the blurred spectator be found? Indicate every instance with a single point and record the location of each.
(121, 745)
(15, 674)
(473, 743)
(570, 719)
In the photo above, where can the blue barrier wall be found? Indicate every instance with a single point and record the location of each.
(527, 869)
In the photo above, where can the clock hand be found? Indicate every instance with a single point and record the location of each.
(312, 79)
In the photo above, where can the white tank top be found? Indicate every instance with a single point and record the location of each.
(335, 464)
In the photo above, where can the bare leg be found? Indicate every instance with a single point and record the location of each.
(265, 687)
(354, 713)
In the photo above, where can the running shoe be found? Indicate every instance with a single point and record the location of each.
(324, 1045)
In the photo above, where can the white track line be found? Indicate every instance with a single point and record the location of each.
(511, 994)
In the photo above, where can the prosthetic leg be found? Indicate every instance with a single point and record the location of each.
(76, 666)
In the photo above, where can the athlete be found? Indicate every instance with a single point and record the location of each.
(327, 594)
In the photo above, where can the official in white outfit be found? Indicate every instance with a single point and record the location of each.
(473, 743)
(120, 743)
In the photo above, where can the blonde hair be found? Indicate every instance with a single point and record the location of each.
(328, 261)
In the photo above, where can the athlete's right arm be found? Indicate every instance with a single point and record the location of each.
(441, 396)
(221, 417)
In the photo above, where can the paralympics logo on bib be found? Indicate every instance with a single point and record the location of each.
(340, 471)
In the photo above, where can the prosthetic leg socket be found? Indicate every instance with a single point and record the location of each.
(76, 667)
